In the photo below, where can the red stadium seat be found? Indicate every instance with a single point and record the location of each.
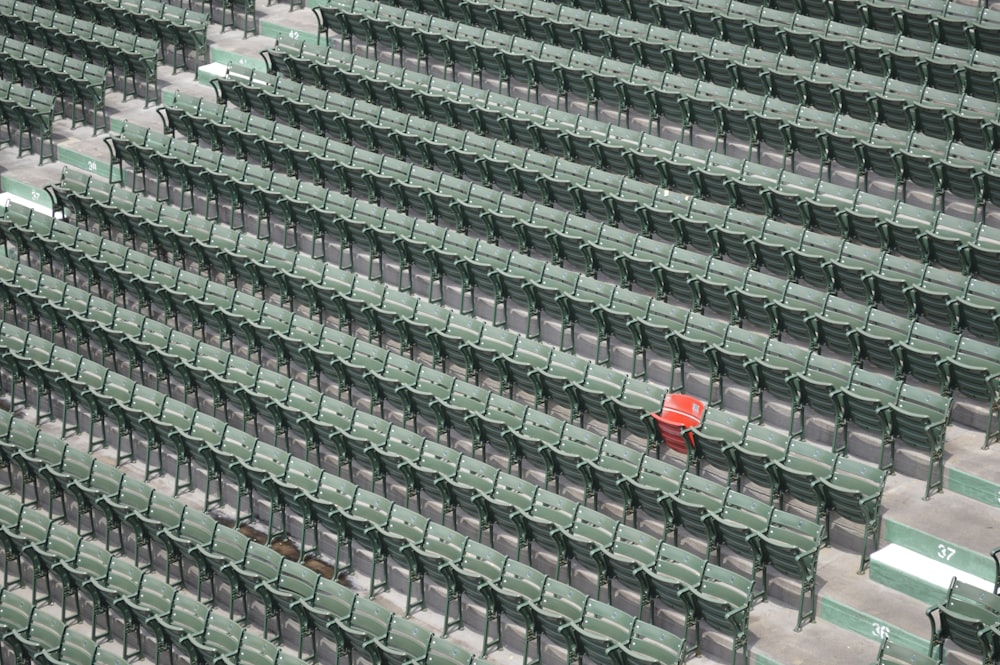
(679, 412)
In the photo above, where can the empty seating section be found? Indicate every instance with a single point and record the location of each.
(354, 356)
(131, 57)
(180, 28)
(174, 618)
(809, 244)
(228, 9)
(76, 83)
(33, 634)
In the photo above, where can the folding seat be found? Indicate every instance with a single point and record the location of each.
(756, 452)
(977, 315)
(739, 525)
(650, 644)
(523, 441)
(259, 573)
(358, 440)
(603, 632)
(476, 574)
(548, 522)
(24, 541)
(616, 320)
(791, 545)
(834, 327)
(558, 609)
(460, 412)
(471, 487)
(521, 365)
(367, 625)
(36, 456)
(405, 643)
(595, 394)
(803, 467)
(854, 491)
(519, 591)
(332, 606)
(893, 653)
(734, 360)
(968, 617)
(693, 506)
(431, 473)
(118, 584)
(865, 405)
(612, 473)
(504, 285)
(779, 362)
(16, 617)
(921, 353)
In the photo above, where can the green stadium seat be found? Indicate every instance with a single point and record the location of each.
(968, 617)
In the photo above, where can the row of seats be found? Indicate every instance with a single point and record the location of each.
(955, 243)
(726, 440)
(33, 633)
(509, 359)
(129, 55)
(75, 82)
(182, 29)
(542, 603)
(174, 618)
(948, 64)
(32, 112)
(741, 293)
(319, 603)
(918, 416)
(866, 146)
(940, 114)
(970, 617)
(709, 510)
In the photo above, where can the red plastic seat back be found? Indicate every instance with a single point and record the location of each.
(679, 412)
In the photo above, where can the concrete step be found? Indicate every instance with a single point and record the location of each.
(918, 576)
